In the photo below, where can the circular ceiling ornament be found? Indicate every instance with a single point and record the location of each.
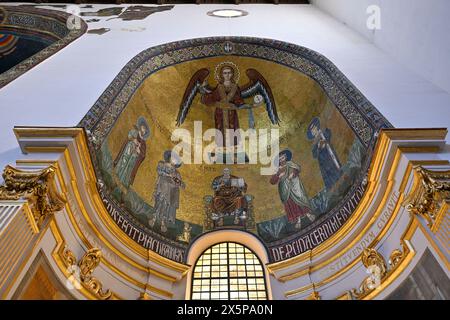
(227, 13)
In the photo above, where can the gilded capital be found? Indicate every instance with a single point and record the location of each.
(37, 187)
(430, 195)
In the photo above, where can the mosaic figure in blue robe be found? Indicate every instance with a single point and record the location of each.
(323, 151)
(167, 191)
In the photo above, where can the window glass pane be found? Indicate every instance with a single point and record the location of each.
(205, 295)
(215, 295)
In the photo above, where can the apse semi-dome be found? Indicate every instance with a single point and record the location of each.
(164, 198)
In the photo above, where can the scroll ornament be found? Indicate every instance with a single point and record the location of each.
(378, 269)
(86, 266)
(376, 266)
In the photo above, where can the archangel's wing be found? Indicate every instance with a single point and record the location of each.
(194, 86)
(259, 85)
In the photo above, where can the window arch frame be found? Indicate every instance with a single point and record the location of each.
(209, 239)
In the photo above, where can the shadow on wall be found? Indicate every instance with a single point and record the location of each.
(427, 281)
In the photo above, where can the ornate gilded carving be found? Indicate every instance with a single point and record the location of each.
(376, 266)
(36, 186)
(398, 255)
(314, 296)
(69, 257)
(370, 257)
(432, 191)
(89, 262)
(144, 296)
(86, 266)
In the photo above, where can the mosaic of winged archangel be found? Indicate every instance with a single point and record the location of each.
(226, 97)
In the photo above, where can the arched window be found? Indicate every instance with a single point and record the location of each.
(228, 271)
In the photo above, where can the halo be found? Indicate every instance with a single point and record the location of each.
(237, 74)
(142, 122)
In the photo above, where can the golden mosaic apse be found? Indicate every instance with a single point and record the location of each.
(163, 170)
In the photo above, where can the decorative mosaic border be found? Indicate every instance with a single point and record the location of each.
(359, 113)
(50, 24)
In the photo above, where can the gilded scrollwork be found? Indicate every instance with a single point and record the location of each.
(69, 257)
(378, 269)
(86, 266)
(376, 266)
(38, 187)
(89, 262)
(398, 255)
(432, 191)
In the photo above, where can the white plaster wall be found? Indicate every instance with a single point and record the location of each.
(414, 32)
(59, 91)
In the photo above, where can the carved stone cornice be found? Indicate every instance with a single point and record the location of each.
(37, 187)
(86, 266)
(431, 194)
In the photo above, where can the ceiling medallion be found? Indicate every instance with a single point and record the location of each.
(227, 13)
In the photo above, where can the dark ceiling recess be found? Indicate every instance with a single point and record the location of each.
(171, 1)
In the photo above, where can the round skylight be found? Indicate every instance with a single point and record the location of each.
(227, 13)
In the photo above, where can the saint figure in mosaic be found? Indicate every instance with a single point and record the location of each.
(132, 153)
